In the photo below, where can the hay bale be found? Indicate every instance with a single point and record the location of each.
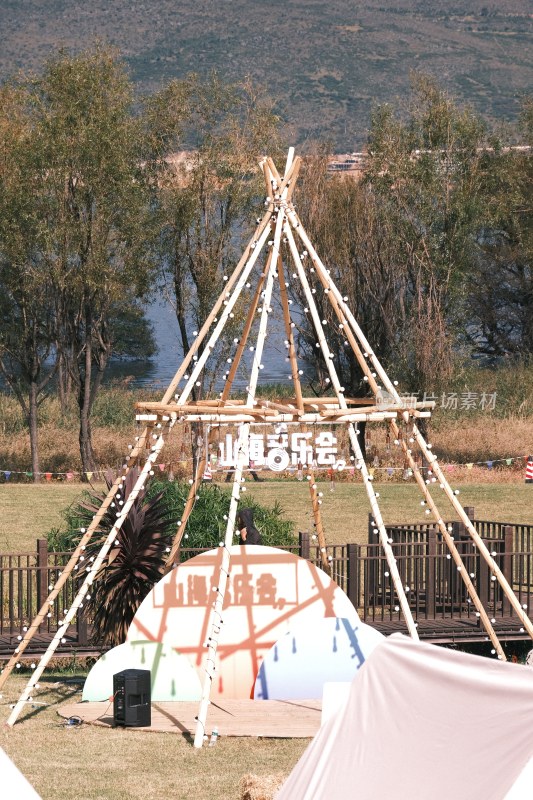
(261, 787)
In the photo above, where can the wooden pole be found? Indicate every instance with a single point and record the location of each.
(91, 573)
(228, 309)
(290, 336)
(242, 463)
(233, 278)
(463, 572)
(256, 416)
(431, 458)
(244, 337)
(367, 478)
(284, 409)
(162, 409)
(217, 616)
(476, 538)
(315, 503)
(73, 560)
(450, 543)
(189, 505)
(261, 227)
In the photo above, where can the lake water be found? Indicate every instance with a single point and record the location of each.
(160, 370)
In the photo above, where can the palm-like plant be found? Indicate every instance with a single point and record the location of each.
(134, 563)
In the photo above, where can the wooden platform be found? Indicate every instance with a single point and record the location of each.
(298, 719)
(447, 629)
(40, 642)
(454, 630)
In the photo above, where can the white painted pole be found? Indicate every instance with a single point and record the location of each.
(85, 587)
(242, 464)
(217, 619)
(339, 391)
(430, 457)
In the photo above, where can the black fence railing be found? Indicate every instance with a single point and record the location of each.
(432, 582)
(26, 580)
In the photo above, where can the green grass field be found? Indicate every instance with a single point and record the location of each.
(27, 511)
(91, 763)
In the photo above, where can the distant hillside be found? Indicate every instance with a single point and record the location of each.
(324, 62)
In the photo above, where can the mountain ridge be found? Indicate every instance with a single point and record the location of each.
(324, 63)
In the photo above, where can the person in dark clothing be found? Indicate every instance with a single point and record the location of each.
(253, 473)
(248, 532)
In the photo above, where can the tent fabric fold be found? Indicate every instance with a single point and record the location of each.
(422, 722)
(13, 782)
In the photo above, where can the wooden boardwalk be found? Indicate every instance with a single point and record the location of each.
(297, 719)
(39, 645)
(451, 630)
(442, 630)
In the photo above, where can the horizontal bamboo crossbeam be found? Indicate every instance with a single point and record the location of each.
(194, 408)
(331, 412)
(285, 409)
(257, 415)
(219, 403)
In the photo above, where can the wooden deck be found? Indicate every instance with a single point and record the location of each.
(298, 719)
(39, 645)
(452, 630)
(442, 630)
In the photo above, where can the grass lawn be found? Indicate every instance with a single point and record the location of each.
(27, 512)
(91, 763)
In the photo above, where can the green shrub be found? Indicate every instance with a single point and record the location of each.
(207, 523)
(206, 526)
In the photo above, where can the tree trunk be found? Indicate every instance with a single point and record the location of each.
(84, 402)
(34, 431)
(64, 383)
(86, 447)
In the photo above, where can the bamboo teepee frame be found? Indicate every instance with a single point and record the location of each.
(278, 230)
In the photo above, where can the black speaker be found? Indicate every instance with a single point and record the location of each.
(131, 698)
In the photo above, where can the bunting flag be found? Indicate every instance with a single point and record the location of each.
(185, 464)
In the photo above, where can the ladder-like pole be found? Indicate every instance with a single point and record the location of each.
(450, 543)
(367, 478)
(461, 568)
(220, 590)
(92, 571)
(263, 225)
(73, 560)
(430, 457)
(242, 463)
(317, 517)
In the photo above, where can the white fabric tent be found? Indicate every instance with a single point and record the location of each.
(424, 722)
(13, 782)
